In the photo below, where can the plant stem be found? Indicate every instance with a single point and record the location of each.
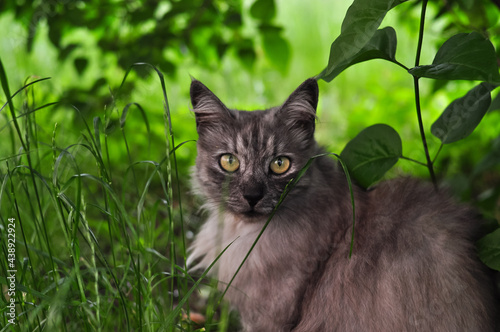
(421, 32)
(417, 96)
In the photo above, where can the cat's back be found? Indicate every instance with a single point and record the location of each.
(413, 268)
(407, 205)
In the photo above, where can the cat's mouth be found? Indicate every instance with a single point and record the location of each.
(253, 214)
(253, 217)
(250, 213)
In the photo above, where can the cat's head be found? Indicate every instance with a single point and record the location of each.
(245, 159)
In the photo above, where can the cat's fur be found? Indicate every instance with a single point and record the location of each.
(413, 268)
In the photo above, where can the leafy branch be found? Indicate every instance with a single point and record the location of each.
(464, 56)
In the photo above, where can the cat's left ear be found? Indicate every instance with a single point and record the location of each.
(299, 110)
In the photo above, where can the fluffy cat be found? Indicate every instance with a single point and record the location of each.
(413, 267)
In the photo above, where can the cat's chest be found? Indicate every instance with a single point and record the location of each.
(239, 240)
(266, 248)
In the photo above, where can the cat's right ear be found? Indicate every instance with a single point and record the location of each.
(207, 107)
(299, 110)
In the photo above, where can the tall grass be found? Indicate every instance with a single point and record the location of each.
(99, 246)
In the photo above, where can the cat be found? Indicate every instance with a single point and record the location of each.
(413, 265)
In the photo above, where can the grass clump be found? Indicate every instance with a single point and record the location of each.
(99, 244)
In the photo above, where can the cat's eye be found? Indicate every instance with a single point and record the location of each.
(229, 162)
(280, 165)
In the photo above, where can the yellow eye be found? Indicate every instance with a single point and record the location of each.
(229, 162)
(280, 165)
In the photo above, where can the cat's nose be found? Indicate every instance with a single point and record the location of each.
(253, 195)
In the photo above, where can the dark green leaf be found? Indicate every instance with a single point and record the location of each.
(466, 4)
(360, 24)
(495, 103)
(67, 50)
(233, 19)
(463, 115)
(246, 53)
(466, 56)
(55, 32)
(381, 46)
(263, 10)
(372, 153)
(489, 250)
(98, 84)
(81, 65)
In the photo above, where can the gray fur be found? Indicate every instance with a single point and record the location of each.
(414, 266)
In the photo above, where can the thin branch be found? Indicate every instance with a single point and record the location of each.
(413, 160)
(417, 96)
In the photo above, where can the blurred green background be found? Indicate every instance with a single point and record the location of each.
(250, 59)
(252, 54)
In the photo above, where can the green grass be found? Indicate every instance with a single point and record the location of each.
(99, 244)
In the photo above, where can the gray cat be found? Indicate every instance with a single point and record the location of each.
(413, 267)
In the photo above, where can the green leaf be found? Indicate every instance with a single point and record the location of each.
(276, 47)
(495, 103)
(381, 46)
(463, 115)
(372, 153)
(489, 249)
(360, 24)
(263, 10)
(246, 53)
(465, 56)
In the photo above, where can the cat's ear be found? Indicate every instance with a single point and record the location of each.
(299, 110)
(208, 108)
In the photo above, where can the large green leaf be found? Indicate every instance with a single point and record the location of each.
(489, 249)
(463, 115)
(381, 46)
(495, 103)
(360, 24)
(372, 153)
(465, 56)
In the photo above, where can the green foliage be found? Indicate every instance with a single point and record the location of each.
(464, 56)
(358, 28)
(491, 159)
(381, 46)
(275, 46)
(264, 10)
(163, 33)
(137, 30)
(85, 252)
(463, 115)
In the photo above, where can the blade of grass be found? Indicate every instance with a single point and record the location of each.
(177, 310)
